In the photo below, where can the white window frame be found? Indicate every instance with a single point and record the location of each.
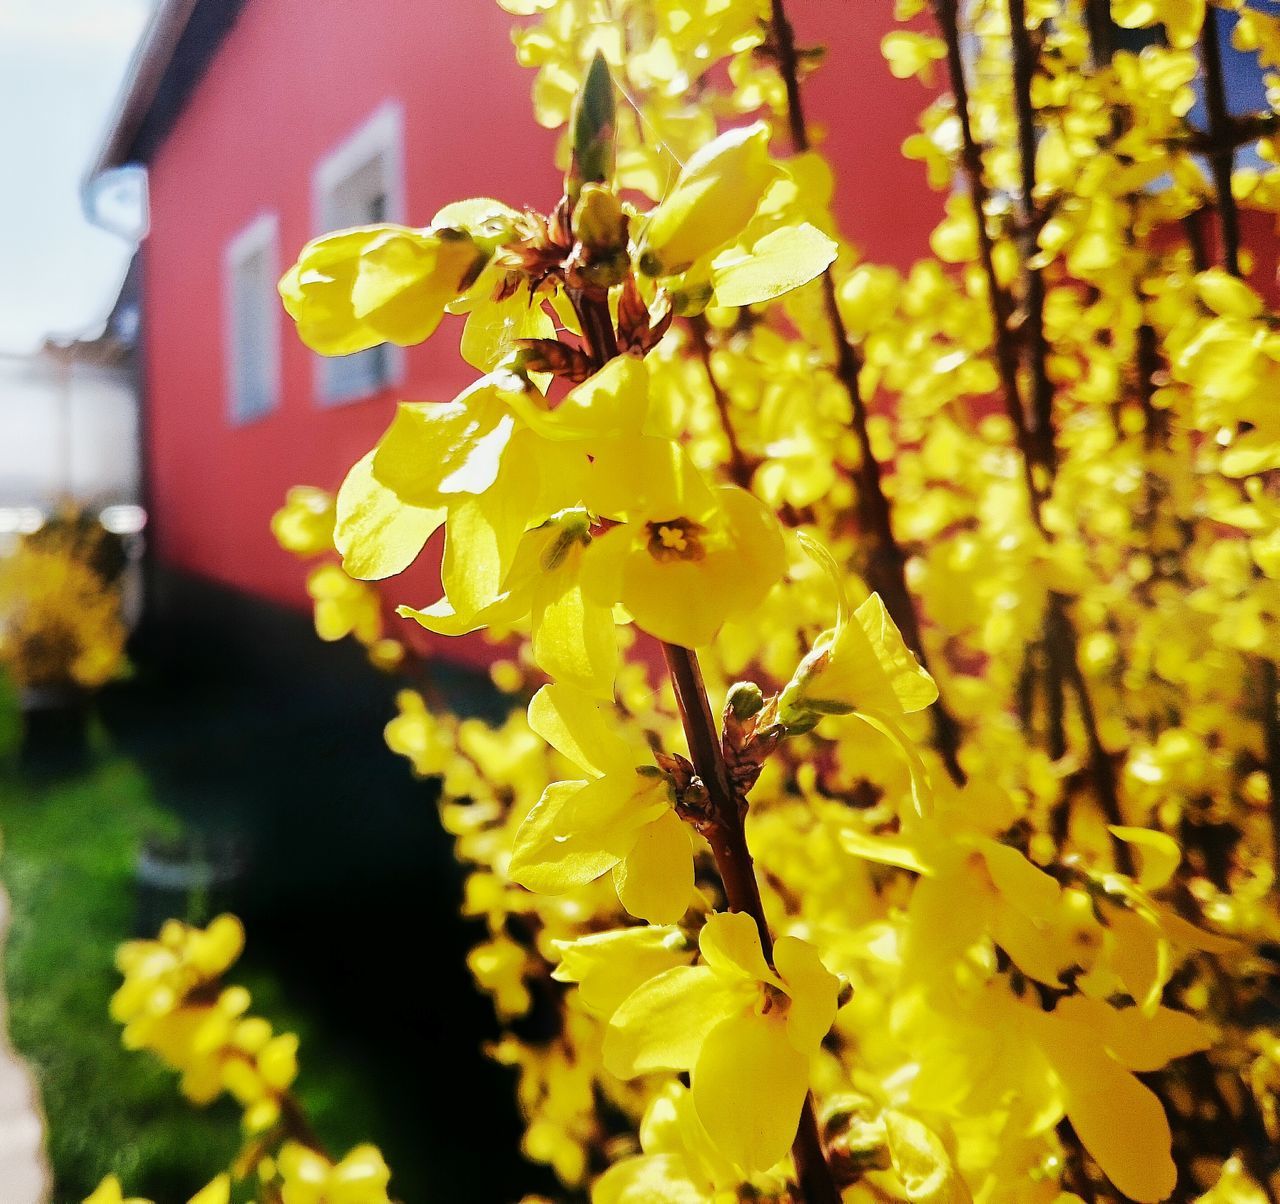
(380, 137)
(260, 237)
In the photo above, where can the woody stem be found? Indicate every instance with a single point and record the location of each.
(727, 836)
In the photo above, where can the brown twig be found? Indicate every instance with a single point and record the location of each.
(946, 13)
(1221, 150)
(739, 466)
(1024, 69)
(886, 564)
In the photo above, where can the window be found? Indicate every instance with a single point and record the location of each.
(359, 183)
(253, 321)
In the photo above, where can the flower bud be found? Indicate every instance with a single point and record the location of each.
(598, 221)
(745, 699)
(715, 196)
(600, 228)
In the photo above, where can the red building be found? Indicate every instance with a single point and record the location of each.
(266, 122)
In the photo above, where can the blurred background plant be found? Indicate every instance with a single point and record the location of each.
(61, 625)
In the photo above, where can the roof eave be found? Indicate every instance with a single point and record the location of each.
(142, 80)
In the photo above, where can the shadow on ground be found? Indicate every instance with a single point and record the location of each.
(245, 724)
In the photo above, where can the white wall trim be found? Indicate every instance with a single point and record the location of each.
(262, 234)
(380, 136)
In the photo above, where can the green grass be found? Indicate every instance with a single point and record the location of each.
(69, 848)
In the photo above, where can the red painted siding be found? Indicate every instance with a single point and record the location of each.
(291, 82)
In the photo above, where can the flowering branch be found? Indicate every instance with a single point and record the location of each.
(725, 830)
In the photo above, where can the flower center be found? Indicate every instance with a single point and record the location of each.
(676, 539)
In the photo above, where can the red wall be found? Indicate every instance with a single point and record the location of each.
(291, 82)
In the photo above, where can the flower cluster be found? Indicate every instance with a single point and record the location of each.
(174, 1004)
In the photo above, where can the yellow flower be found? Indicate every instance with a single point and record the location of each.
(685, 557)
(304, 524)
(609, 966)
(110, 1192)
(909, 54)
(680, 1162)
(860, 667)
(620, 818)
(573, 636)
(381, 284)
(746, 1032)
(417, 734)
(307, 1177)
(344, 606)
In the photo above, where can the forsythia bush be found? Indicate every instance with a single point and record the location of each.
(60, 621)
(964, 887)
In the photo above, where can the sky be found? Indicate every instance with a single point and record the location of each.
(61, 65)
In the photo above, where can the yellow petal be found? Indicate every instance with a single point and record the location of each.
(577, 727)
(1024, 885)
(922, 1163)
(434, 448)
(216, 1192)
(483, 532)
(921, 790)
(1119, 1121)
(548, 856)
(813, 990)
(647, 1179)
(730, 945)
(574, 640)
(713, 199)
(609, 966)
(608, 405)
(1158, 851)
(1140, 1042)
(662, 1024)
(646, 479)
(655, 879)
(911, 684)
(377, 532)
(749, 1084)
(1140, 955)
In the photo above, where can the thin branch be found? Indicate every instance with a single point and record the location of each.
(1271, 727)
(886, 565)
(1024, 68)
(1222, 154)
(1102, 771)
(739, 466)
(946, 13)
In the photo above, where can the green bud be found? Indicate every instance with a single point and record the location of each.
(745, 699)
(593, 130)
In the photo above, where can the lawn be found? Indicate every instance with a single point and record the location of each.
(70, 846)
